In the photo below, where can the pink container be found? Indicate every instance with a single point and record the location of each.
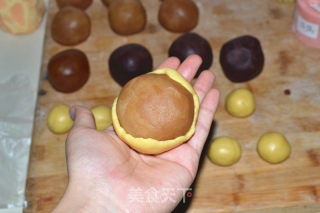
(306, 23)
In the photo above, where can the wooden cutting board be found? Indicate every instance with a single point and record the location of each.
(251, 184)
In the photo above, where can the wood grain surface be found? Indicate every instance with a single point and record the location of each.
(251, 185)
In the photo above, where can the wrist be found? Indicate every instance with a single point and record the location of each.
(85, 199)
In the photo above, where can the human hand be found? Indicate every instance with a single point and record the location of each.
(106, 175)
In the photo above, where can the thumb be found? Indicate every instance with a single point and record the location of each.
(82, 117)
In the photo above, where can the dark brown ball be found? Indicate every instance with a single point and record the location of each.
(242, 58)
(81, 4)
(70, 26)
(189, 44)
(127, 17)
(129, 61)
(178, 15)
(68, 70)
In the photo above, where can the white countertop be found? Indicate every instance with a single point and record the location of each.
(20, 64)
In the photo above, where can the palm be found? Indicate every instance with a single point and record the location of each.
(103, 158)
(117, 164)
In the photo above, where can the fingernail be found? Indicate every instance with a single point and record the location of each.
(72, 113)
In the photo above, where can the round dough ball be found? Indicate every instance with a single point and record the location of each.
(127, 17)
(70, 26)
(59, 120)
(240, 103)
(129, 61)
(242, 58)
(224, 151)
(193, 43)
(68, 70)
(273, 147)
(102, 117)
(178, 15)
(81, 4)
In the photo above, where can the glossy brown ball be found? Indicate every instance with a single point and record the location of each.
(70, 26)
(68, 70)
(127, 17)
(81, 4)
(178, 15)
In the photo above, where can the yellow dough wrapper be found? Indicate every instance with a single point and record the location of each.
(21, 16)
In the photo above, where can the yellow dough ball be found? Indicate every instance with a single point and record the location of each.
(59, 120)
(102, 116)
(240, 103)
(273, 147)
(224, 151)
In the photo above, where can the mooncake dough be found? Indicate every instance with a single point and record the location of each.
(240, 103)
(102, 116)
(21, 16)
(59, 120)
(273, 147)
(224, 151)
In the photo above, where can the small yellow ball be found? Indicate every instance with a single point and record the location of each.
(59, 121)
(273, 147)
(102, 116)
(224, 151)
(240, 103)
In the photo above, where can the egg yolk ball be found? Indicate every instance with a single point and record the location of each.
(224, 151)
(240, 103)
(59, 121)
(273, 147)
(102, 116)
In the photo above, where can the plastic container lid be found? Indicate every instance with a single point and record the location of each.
(306, 22)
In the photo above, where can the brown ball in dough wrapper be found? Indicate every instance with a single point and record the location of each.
(155, 106)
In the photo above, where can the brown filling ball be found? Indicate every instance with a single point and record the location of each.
(242, 58)
(68, 70)
(178, 15)
(70, 26)
(155, 106)
(81, 4)
(127, 17)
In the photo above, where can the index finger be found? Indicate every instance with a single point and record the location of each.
(172, 62)
(190, 66)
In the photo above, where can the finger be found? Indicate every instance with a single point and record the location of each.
(172, 62)
(189, 66)
(207, 110)
(83, 117)
(203, 84)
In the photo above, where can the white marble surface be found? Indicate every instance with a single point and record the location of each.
(20, 63)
